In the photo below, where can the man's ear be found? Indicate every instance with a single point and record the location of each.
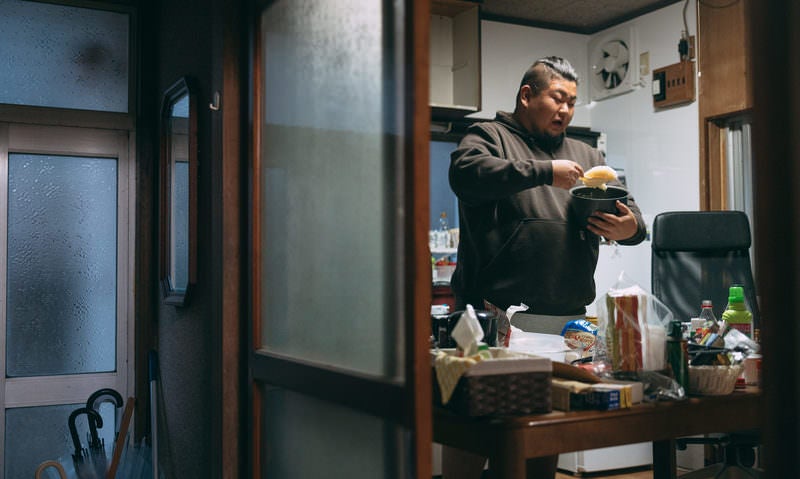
(525, 94)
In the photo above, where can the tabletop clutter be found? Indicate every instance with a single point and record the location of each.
(633, 351)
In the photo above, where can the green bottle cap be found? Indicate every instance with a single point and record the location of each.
(736, 294)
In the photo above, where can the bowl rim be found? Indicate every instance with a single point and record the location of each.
(623, 191)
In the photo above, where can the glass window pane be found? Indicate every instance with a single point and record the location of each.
(63, 56)
(180, 227)
(343, 443)
(329, 176)
(37, 434)
(62, 250)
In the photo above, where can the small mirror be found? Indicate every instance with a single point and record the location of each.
(178, 258)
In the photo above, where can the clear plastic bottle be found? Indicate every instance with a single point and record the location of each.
(443, 233)
(443, 221)
(707, 315)
(736, 314)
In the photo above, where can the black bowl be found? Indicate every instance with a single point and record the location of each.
(584, 201)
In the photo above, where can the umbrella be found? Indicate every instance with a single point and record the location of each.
(127, 460)
(136, 462)
(62, 474)
(122, 434)
(153, 373)
(97, 450)
(85, 466)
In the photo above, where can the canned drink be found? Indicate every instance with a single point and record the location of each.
(752, 369)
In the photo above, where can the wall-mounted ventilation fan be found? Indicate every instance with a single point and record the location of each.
(611, 63)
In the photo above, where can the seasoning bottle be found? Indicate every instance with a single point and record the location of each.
(711, 328)
(707, 315)
(736, 315)
(678, 354)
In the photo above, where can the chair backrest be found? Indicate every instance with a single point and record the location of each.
(698, 255)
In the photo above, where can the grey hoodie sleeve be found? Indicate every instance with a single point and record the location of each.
(482, 169)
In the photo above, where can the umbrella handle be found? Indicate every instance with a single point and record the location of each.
(59, 468)
(117, 397)
(92, 415)
(98, 397)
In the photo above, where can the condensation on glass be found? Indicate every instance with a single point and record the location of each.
(36, 434)
(63, 56)
(330, 203)
(62, 263)
(344, 443)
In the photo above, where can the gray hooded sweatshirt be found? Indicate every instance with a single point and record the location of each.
(518, 242)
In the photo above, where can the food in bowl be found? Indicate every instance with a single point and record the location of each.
(598, 176)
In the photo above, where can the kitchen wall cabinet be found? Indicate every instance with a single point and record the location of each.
(455, 59)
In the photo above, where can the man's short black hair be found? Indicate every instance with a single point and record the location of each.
(544, 70)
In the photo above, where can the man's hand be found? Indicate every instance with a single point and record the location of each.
(613, 227)
(566, 173)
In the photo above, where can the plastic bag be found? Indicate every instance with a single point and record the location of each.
(503, 321)
(632, 330)
(550, 346)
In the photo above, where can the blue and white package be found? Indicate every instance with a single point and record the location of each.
(579, 334)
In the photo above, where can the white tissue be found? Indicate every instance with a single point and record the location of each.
(468, 331)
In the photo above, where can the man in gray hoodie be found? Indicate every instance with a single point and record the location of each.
(518, 243)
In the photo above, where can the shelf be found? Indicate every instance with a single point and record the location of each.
(444, 251)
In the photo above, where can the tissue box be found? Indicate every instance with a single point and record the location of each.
(519, 384)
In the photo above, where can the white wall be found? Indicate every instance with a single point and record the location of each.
(507, 51)
(659, 150)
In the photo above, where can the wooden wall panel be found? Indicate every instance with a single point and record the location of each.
(723, 48)
(724, 87)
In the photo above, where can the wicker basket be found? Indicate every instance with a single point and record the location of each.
(483, 391)
(713, 380)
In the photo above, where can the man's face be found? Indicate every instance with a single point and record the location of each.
(549, 112)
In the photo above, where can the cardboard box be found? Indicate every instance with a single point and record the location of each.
(571, 395)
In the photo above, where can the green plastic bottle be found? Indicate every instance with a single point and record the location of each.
(736, 315)
(678, 354)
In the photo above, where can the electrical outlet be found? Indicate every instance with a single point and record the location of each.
(644, 64)
(673, 84)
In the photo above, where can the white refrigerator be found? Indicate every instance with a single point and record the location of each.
(634, 262)
(607, 458)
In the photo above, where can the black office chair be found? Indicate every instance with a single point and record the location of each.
(698, 255)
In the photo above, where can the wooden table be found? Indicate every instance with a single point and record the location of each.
(508, 442)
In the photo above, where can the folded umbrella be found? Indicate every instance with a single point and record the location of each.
(97, 450)
(119, 443)
(85, 467)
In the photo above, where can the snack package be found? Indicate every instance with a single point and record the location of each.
(632, 330)
(579, 334)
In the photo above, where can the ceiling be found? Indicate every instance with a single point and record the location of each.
(578, 16)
